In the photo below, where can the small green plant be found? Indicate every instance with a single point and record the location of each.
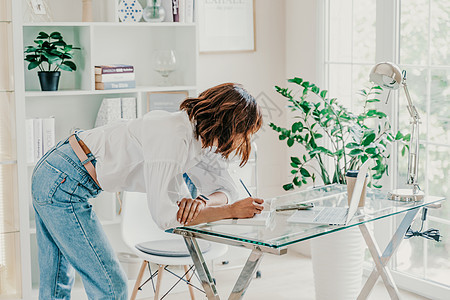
(52, 50)
(325, 128)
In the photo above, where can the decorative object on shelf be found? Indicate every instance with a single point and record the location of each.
(154, 12)
(226, 26)
(164, 62)
(130, 11)
(391, 77)
(37, 11)
(169, 101)
(114, 109)
(352, 138)
(56, 53)
(87, 11)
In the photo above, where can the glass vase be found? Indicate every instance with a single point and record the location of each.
(154, 12)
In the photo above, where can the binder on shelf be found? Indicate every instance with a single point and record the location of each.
(175, 11)
(37, 139)
(48, 134)
(189, 11)
(29, 132)
(167, 5)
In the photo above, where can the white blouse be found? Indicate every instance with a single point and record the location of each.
(150, 155)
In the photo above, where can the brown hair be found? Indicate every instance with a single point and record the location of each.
(225, 113)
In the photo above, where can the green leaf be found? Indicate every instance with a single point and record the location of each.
(356, 152)
(296, 80)
(373, 100)
(297, 126)
(294, 171)
(323, 94)
(55, 35)
(295, 160)
(378, 186)
(351, 145)
(70, 65)
(372, 150)
(288, 187)
(305, 172)
(282, 137)
(368, 139)
(290, 142)
(407, 137)
(297, 182)
(33, 65)
(294, 165)
(42, 35)
(398, 136)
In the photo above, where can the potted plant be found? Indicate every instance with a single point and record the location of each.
(326, 129)
(52, 50)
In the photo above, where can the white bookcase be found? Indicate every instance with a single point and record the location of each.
(76, 103)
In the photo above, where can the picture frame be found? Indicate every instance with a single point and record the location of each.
(168, 101)
(226, 26)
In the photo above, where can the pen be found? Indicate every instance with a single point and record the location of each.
(250, 195)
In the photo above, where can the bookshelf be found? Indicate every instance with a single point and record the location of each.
(76, 103)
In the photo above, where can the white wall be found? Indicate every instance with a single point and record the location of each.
(259, 72)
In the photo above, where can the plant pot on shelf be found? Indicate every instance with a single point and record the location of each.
(49, 80)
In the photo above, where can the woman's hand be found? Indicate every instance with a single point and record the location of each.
(189, 209)
(246, 208)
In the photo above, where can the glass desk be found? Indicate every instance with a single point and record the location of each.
(279, 234)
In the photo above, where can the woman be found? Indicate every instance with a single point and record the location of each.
(150, 154)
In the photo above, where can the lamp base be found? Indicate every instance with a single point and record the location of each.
(405, 195)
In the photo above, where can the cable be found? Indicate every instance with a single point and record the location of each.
(430, 234)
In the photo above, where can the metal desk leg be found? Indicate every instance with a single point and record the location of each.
(246, 275)
(381, 262)
(201, 268)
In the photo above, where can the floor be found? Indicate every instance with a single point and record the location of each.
(291, 283)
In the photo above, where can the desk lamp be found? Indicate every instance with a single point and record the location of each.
(390, 76)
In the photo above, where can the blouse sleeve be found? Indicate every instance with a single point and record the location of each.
(165, 186)
(211, 175)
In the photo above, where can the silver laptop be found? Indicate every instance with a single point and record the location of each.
(334, 215)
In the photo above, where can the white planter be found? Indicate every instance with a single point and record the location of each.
(337, 264)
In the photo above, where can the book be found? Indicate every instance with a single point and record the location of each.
(128, 107)
(114, 68)
(182, 11)
(167, 5)
(175, 11)
(110, 110)
(189, 11)
(48, 134)
(29, 133)
(262, 219)
(113, 77)
(38, 149)
(115, 85)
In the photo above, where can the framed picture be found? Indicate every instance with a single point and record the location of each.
(226, 26)
(169, 101)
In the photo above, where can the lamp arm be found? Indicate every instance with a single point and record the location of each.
(413, 158)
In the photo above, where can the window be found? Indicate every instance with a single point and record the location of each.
(414, 34)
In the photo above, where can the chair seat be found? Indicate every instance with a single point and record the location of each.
(171, 248)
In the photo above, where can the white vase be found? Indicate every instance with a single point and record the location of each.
(337, 264)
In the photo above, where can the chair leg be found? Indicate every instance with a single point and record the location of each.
(158, 281)
(188, 278)
(138, 280)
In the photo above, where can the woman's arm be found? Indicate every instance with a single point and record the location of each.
(245, 208)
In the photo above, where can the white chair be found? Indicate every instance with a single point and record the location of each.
(138, 227)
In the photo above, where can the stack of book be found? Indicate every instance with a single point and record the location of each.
(40, 135)
(108, 77)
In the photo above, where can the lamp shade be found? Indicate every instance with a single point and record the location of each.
(387, 75)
